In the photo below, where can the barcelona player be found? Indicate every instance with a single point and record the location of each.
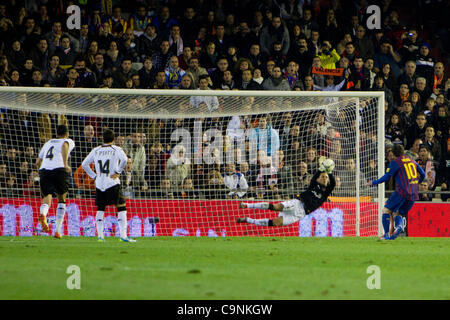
(408, 175)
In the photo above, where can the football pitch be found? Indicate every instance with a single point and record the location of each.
(191, 268)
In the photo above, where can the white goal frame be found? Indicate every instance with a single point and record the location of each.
(218, 93)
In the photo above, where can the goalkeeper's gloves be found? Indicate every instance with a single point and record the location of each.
(322, 168)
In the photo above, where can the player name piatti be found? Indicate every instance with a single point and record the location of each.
(106, 152)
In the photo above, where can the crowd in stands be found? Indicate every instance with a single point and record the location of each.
(227, 45)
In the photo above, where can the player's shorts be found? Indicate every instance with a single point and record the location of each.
(54, 181)
(111, 196)
(396, 203)
(293, 211)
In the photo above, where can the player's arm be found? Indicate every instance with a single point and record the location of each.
(123, 160)
(421, 172)
(38, 162)
(86, 165)
(65, 156)
(313, 181)
(332, 183)
(392, 169)
(39, 158)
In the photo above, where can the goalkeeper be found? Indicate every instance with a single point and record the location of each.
(291, 211)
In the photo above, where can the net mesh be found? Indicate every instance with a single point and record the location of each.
(194, 157)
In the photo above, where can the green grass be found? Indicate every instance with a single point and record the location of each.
(224, 268)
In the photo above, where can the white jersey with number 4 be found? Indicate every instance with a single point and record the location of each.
(108, 160)
(51, 153)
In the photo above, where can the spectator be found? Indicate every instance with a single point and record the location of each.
(54, 74)
(409, 76)
(257, 59)
(422, 89)
(394, 130)
(387, 55)
(189, 24)
(328, 56)
(99, 68)
(187, 83)
(178, 166)
(84, 183)
(139, 20)
(228, 82)
(160, 81)
(165, 190)
(244, 38)
(257, 76)
(417, 130)
(173, 73)
(188, 191)
(413, 153)
(246, 82)
(175, 40)
(40, 55)
(265, 137)
(124, 73)
(183, 59)
(276, 31)
(147, 73)
(432, 143)
(363, 44)
(276, 81)
(148, 43)
(31, 186)
(195, 71)
(208, 58)
(164, 22)
(438, 79)
(135, 150)
(84, 39)
(113, 56)
(235, 182)
(425, 63)
(66, 52)
(429, 166)
(161, 57)
(307, 24)
(204, 103)
(117, 23)
(407, 116)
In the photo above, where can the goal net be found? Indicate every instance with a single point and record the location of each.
(194, 156)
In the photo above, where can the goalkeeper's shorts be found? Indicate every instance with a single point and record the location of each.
(293, 211)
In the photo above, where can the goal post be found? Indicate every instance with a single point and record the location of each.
(195, 154)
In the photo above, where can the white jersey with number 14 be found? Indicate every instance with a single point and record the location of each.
(108, 160)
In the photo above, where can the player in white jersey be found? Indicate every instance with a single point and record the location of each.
(54, 173)
(110, 161)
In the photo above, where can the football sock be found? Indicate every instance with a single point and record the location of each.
(99, 220)
(259, 205)
(44, 209)
(122, 223)
(385, 219)
(398, 226)
(258, 222)
(60, 213)
(398, 222)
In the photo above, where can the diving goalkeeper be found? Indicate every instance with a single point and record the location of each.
(291, 211)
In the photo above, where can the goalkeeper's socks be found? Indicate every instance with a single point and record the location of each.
(43, 210)
(398, 226)
(386, 221)
(100, 223)
(259, 222)
(60, 213)
(122, 221)
(259, 205)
